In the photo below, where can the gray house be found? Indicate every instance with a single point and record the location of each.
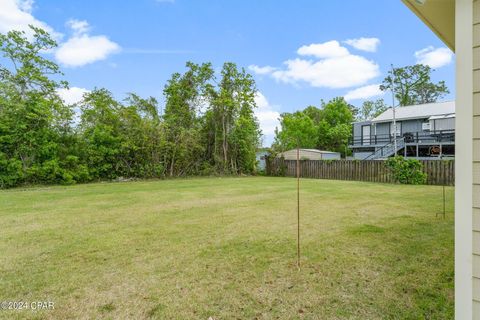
(424, 131)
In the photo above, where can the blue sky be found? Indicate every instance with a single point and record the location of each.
(298, 51)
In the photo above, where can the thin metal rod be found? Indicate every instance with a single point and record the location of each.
(298, 207)
(393, 109)
(444, 199)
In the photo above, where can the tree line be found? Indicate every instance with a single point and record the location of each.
(208, 126)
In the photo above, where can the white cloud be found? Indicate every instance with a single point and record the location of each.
(329, 49)
(261, 70)
(17, 15)
(434, 57)
(26, 5)
(82, 48)
(365, 92)
(343, 72)
(364, 44)
(78, 26)
(72, 95)
(267, 117)
(335, 67)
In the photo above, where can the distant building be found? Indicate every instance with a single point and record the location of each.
(424, 131)
(310, 154)
(261, 156)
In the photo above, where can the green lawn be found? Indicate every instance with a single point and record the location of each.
(225, 248)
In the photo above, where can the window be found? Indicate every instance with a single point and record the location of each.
(366, 135)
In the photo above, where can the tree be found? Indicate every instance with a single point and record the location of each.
(371, 109)
(33, 119)
(412, 85)
(327, 128)
(296, 130)
(185, 94)
(236, 133)
(334, 129)
(142, 138)
(101, 139)
(207, 127)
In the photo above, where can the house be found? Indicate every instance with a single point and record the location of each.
(261, 158)
(310, 154)
(425, 131)
(457, 23)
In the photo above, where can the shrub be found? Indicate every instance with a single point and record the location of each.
(11, 173)
(407, 171)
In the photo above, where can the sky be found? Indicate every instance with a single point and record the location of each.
(300, 52)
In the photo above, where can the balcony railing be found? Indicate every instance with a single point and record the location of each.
(410, 137)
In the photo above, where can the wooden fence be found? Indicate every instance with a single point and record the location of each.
(438, 172)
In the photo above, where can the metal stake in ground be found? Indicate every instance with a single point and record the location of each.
(298, 207)
(443, 187)
(443, 184)
(443, 199)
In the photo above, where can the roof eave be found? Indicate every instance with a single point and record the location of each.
(442, 22)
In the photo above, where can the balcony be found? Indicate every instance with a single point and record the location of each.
(423, 137)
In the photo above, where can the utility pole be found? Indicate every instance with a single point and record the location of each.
(393, 109)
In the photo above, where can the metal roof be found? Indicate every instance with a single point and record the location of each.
(313, 150)
(444, 116)
(420, 111)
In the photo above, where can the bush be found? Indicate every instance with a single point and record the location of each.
(407, 171)
(11, 173)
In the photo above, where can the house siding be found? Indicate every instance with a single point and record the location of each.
(476, 162)
(331, 156)
(412, 125)
(382, 128)
(406, 126)
(476, 58)
(357, 128)
(476, 150)
(361, 155)
(476, 103)
(476, 308)
(476, 12)
(442, 124)
(310, 155)
(476, 34)
(476, 291)
(476, 220)
(476, 80)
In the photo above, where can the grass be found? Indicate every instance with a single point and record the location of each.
(225, 248)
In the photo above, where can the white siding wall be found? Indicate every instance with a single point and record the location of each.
(303, 154)
(309, 155)
(476, 162)
(442, 124)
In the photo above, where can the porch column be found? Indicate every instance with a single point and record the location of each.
(464, 281)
